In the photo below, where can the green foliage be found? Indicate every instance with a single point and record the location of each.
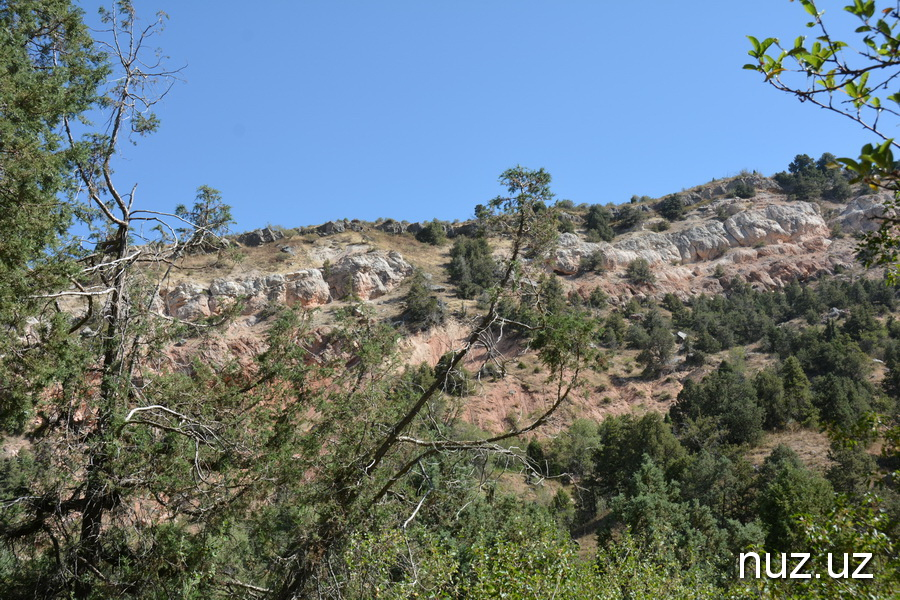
(209, 219)
(789, 489)
(565, 226)
(433, 233)
(423, 309)
(472, 267)
(597, 298)
(571, 451)
(639, 272)
(51, 71)
(851, 78)
(785, 395)
(595, 262)
(744, 190)
(727, 399)
(598, 224)
(671, 207)
(629, 217)
(624, 441)
(808, 180)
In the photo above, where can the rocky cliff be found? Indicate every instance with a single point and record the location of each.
(367, 275)
(768, 241)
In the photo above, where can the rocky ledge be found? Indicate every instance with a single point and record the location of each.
(368, 276)
(708, 240)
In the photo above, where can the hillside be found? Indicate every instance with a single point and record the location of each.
(768, 241)
(652, 388)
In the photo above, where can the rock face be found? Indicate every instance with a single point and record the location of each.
(706, 241)
(330, 228)
(862, 213)
(306, 288)
(368, 275)
(257, 237)
(188, 302)
(392, 226)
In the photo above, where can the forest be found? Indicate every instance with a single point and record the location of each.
(325, 464)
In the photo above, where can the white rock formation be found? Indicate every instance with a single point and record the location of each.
(710, 239)
(368, 275)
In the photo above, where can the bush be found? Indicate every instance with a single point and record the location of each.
(565, 226)
(629, 216)
(597, 298)
(595, 262)
(433, 233)
(423, 309)
(639, 272)
(671, 208)
(724, 405)
(597, 223)
(472, 268)
(456, 381)
(742, 189)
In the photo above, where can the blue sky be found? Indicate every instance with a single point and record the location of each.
(304, 111)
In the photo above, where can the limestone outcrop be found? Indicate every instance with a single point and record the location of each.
(862, 213)
(367, 275)
(708, 240)
(257, 237)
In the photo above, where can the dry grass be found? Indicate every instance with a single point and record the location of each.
(811, 446)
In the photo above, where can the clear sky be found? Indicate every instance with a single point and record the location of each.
(308, 110)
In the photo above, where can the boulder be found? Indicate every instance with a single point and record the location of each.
(392, 226)
(862, 214)
(306, 288)
(187, 301)
(257, 237)
(368, 275)
(469, 229)
(330, 228)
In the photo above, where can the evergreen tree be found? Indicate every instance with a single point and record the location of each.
(597, 223)
(472, 266)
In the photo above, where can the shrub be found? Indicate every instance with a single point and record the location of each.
(597, 223)
(630, 216)
(456, 381)
(597, 298)
(565, 226)
(433, 233)
(639, 272)
(742, 189)
(595, 262)
(472, 268)
(671, 207)
(423, 309)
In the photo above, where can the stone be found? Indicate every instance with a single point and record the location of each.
(708, 240)
(392, 226)
(187, 301)
(862, 213)
(368, 275)
(306, 288)
(469, 229)
(258, 237)
(330, 228)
